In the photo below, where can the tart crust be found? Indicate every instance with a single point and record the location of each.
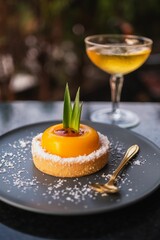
(70, 167)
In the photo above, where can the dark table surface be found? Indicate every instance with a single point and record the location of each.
(140, 220)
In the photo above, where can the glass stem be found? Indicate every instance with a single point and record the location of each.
(116, 84)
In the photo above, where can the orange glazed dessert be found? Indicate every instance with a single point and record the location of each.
(70, 149)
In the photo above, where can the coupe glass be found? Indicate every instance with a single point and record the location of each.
(117, 55)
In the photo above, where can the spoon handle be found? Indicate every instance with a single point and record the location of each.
(128, 155)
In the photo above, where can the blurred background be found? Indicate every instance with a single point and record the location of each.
(42, 48)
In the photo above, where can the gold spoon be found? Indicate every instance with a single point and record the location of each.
(109, 187)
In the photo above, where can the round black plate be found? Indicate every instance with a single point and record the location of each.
(22, 185)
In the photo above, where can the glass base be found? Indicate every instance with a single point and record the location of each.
(122, 118)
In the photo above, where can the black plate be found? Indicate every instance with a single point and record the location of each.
(22, 185)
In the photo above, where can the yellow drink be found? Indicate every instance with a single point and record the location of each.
(115, 61)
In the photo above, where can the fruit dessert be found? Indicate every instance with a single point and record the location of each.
(70, 149)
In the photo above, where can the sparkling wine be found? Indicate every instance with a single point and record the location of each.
(118, 60)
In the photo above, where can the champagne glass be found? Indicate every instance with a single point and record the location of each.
(117, 55)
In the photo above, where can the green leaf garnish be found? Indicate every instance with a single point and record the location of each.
(67, 109)
(72, 116)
